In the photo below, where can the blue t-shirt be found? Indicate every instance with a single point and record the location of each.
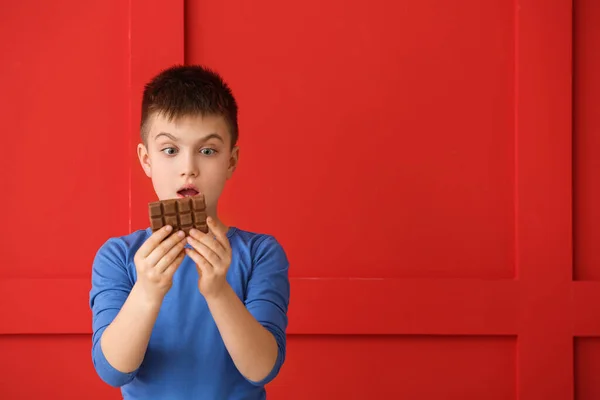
(186, 357)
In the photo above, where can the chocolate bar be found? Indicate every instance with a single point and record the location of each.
(182, 214)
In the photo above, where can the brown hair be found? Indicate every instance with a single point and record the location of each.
(189, 90)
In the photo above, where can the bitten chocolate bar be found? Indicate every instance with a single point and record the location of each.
(182, 214)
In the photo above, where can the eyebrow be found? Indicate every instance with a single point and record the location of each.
(173, 138)
(204, 139)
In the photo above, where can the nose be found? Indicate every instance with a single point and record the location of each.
(189, 167)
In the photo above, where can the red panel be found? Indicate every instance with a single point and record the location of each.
(45, 306)
(586, 301)
(63, 107)
(390, 306)
(393, 367)
(543, 148)
(319, 306)
(50, 367)
(587, 365)
(486, 363)
(376, 143)
(586, 138)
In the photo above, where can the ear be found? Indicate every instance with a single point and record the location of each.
(144, 158)
(233, 161)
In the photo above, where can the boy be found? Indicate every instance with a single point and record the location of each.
(216, 328)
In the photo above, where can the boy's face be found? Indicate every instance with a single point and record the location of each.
(187, 156)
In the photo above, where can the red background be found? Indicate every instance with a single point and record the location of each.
(429, 166)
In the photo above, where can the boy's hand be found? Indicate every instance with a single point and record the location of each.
(157, 260)
(212, 256)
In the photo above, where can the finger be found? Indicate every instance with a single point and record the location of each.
(168, 258)
(162, 249)
(204, 267)
(204, 251)
(170, 271)
(154, 240)
(220, 233)
(208, 241)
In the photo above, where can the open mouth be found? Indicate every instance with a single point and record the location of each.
(187, 192)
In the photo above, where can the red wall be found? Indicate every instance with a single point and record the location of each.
(429, 167)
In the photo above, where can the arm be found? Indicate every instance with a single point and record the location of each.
(268, 298)
(124, 314)
(252, 347)
(111, 287)
(254, 332)
(125, 340)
